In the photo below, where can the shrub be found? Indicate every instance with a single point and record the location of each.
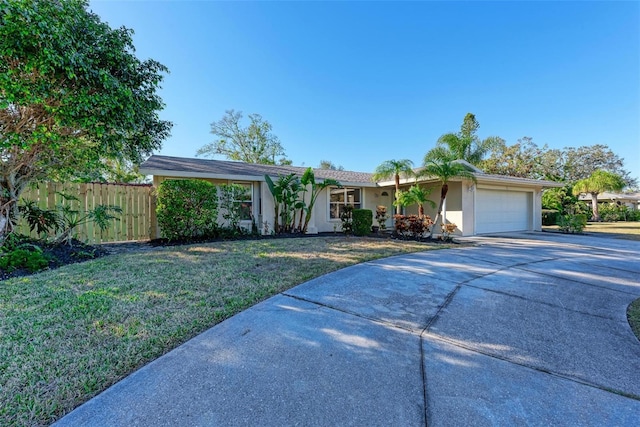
(634, 215)
(611, 212)
(412, 226)
(346, 216)
(362, 221)
(549, 217)
(30, 258)
(582, 218)
(65, 219)
(381, 217)
(572, 223)
(447, 231)
(187, 209)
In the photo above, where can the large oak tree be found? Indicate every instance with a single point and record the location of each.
(72, 95)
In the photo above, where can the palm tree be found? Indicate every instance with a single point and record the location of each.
(599, 182)
(465, 145)
(416, 195)
(444, 169)
(393, 169)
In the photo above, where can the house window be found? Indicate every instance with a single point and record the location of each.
(340, 197)
(246, 201)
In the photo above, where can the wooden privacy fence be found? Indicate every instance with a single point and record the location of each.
(137, 202)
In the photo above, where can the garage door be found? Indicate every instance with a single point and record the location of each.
(500, 211)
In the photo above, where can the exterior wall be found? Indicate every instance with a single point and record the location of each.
(460, 205)
(453, 213)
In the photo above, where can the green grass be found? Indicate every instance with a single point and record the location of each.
(67, 334)
(633, 315)
(623, 230)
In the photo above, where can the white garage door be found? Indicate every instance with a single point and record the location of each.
(500, 211)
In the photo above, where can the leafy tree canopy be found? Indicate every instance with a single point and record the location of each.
(329, 165)
(253, 144)
(598, 182)
(72, 94)
(525, 159)
(394, 169)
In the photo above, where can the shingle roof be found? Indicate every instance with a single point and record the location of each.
(156, 164)
(206, 168)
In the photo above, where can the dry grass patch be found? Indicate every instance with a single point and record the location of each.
(67, 334)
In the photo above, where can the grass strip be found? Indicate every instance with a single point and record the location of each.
(633, 315)
(68, 334)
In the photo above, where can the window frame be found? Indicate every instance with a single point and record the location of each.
(248, 184)
(345, 193)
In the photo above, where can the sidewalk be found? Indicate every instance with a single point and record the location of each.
(518, 330)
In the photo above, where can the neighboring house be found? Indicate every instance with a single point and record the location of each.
(630, 200)
(493, 204)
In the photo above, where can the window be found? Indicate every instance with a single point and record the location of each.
(246, 201)
(340, 197)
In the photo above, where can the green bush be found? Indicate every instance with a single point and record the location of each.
(549, 217)
(572, 223)
(362, 221)
(32, 259)
(187, 209)
(611, 212)
(582, 218)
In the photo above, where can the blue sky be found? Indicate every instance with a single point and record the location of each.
(358, 83)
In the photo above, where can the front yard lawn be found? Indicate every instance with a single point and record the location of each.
(624, 230)
(68, 334)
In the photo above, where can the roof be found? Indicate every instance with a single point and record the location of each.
(628, 197)
(224, 169)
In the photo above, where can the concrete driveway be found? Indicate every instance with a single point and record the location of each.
(525, 329)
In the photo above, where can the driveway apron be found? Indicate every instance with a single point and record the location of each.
(520, 329)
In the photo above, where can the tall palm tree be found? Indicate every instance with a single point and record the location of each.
(599, 182)
(393, 169)
(444, 169)
(465, 145)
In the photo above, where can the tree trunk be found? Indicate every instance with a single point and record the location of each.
(443, 195)
(398, 207)
(420, 210)
(594, 207)
(276, 227)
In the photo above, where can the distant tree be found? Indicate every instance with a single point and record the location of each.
(466, 145)
(599, 182)
(253, 144)
(444, 169)
(526, 160)
(582, 162)
(72, 95)
(394, 169)
(328, 165)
